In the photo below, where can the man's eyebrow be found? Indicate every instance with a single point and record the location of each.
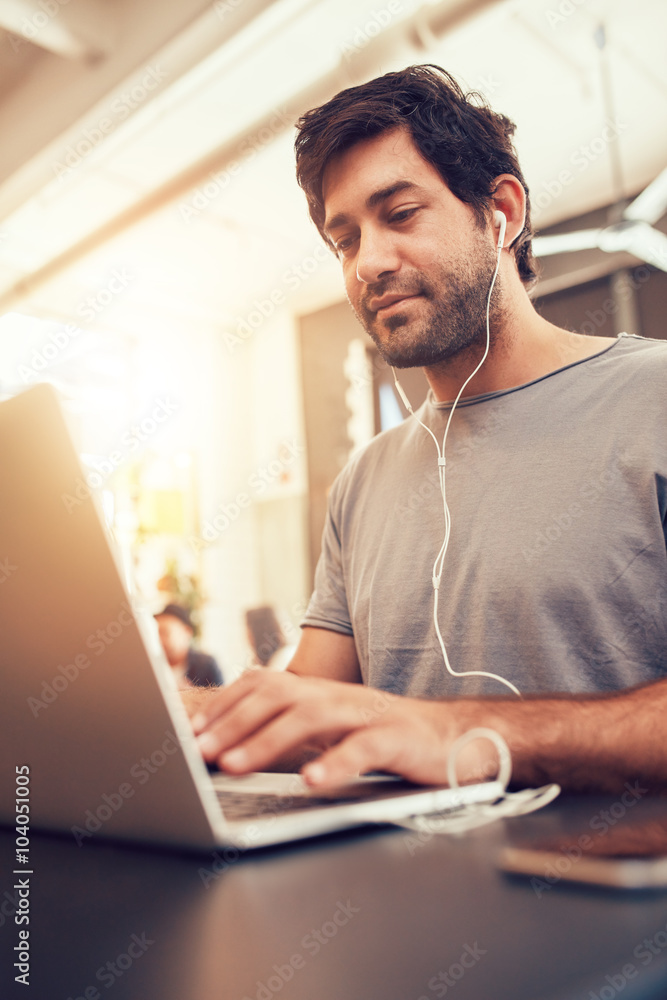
(383, 194)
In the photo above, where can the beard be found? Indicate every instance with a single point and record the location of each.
(454, 301)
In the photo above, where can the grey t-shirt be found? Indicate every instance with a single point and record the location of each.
(556, 573)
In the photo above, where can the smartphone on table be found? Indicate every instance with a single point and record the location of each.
(626, 857)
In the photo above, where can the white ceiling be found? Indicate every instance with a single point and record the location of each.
(140, 179)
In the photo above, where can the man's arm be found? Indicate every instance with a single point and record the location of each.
(587, 743)
(583, 743)
(322, 653)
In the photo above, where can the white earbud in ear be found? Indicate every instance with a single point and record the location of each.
(500, 223)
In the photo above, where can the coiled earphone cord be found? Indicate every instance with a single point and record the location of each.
(473, 815)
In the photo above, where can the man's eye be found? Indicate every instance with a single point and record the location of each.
(342, 246)
(402, 215)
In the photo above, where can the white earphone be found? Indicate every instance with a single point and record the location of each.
(500, 222)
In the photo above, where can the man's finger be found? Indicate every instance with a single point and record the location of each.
(362, 751)
(222, 700)
(249, 714)
(290, 730)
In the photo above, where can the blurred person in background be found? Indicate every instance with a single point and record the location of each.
(191, 667)
(270, 648)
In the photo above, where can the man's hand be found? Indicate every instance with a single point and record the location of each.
(585, 742)
(193, 697)
(260, 718)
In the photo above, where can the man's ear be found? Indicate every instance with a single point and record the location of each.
(509, 197)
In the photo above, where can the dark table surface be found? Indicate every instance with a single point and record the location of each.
(369, 915)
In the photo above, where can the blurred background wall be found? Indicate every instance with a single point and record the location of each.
(158, 266)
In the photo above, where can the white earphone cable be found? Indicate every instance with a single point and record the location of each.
(440, 558)
(473, 815)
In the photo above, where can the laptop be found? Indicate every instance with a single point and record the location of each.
(91, 722)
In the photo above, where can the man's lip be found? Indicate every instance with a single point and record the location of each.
(385, 301)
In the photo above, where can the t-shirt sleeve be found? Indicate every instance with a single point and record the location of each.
(328, 606)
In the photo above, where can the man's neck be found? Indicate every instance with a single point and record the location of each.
(526, 347)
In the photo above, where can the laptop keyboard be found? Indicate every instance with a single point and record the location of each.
(241, 805)
(237, 804)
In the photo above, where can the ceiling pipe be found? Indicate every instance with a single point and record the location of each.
(84, 29)
(197, 40)
(406, 37)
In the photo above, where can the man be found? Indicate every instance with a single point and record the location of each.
(190, 667)
(555, 578)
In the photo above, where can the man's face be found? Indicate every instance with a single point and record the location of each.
(417, 266)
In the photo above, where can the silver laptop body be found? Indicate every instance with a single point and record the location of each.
(88, 703)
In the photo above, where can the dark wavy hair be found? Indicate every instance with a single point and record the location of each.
(458, 133)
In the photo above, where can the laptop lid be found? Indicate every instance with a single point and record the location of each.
(93, 715)
(109, 746)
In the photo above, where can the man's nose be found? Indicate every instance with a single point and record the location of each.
(377, 257)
